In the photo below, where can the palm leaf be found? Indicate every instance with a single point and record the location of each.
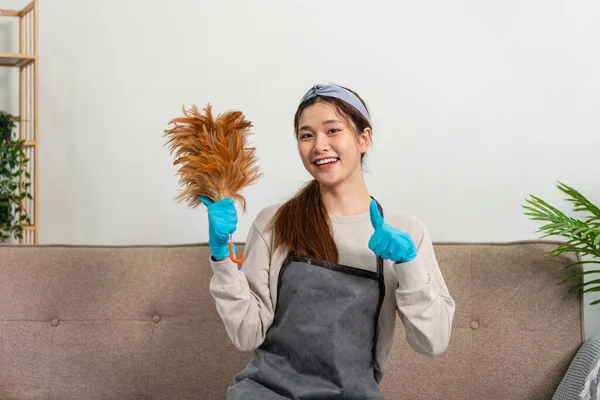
(579, 201)
(581, 236)
(580, 263)
(577, 288)
(573, 276)
(594, 289)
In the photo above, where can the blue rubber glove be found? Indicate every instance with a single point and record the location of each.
(389, 242)
(222, 220)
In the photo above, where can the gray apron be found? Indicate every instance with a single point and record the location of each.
(321, 344)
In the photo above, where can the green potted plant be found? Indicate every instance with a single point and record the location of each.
(582, 235)
(15, 180)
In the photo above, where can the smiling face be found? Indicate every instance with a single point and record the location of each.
(329, 145)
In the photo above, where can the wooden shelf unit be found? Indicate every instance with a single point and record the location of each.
(26, 60)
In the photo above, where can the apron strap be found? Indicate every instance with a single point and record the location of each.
(381, 282)
(379, 259)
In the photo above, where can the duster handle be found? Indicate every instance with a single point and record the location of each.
(231, 255)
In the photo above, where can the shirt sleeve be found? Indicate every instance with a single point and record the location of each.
(242, 295)
(423, 301)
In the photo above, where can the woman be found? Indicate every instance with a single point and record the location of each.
(324, 274)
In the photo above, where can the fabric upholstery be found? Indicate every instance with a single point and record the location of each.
(138, 322)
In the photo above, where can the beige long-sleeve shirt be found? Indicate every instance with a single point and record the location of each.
(246, 297)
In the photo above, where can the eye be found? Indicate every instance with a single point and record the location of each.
(304, 135)
(334, 130)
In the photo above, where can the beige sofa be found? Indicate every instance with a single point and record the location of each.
(138, 322)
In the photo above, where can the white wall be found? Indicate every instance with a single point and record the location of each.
(475, 106)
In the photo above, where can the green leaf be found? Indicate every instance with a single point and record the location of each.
(578, 275)
(551, 226)
(581, 285)
(581, 262)
(542, 206)
(590, 232)
(591, 290)
(579, 200)
(534, 212)
(591, 222)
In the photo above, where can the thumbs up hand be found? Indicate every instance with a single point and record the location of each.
(388, 242)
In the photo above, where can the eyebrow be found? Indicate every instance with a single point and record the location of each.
(329, 121)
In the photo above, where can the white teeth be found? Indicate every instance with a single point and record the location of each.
(325, 161)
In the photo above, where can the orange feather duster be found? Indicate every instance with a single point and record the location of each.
(213, 156)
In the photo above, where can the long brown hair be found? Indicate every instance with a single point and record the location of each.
(302, 222)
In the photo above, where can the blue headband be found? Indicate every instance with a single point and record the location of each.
(339, 93)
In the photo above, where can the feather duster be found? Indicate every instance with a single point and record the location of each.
(213, 157)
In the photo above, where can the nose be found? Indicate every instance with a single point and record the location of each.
(321, 143)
